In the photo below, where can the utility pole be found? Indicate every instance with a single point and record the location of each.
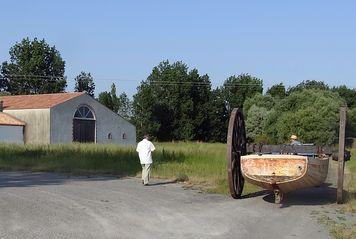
(341, 160)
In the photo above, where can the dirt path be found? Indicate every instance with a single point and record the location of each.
(43, 205)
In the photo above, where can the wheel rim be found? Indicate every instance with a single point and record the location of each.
(236, 147)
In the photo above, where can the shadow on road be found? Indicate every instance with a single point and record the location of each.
(29, 179)
(322, 195)
(162, 183)
(255, 194)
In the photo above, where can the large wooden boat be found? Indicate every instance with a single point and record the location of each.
(284, 173)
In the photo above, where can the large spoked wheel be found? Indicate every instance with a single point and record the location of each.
(236, 147)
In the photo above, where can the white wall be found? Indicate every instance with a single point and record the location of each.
(37, 130)
(106, 122)
(11, 134)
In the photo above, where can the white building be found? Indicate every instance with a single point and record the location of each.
(66, 118)
(11, 129)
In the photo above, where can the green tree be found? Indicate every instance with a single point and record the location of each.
(34, 68)
(351, 123)
(256, 113)
(237, 89)
(145, 106)
(115, 100)
(349, 95)
(173, 103)
(120, 105)
(309, 84)
(256, 122)
(312, 114)
(259, 100)
(84, 82)
(2, 82)
(105, 99)
(277, 90)
(125, 109)
(218, 116)
(200, 95)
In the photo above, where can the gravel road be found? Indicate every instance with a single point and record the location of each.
(47, 205)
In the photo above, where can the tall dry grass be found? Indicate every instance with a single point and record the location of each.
(70, 158)
(198, 164)
(351, 185)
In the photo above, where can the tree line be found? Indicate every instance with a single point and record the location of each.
(178, 103)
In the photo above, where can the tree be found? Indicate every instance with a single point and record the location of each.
(200, 95)
(277, 90)
(259, 100)
(115, 100)
(237, 89)
(349, 95)
(351, 123)
(309, 84)
(256, 113)
(120, 105)
(84, 82)
(34, 68)
(105, 99)
(312, 114)
(218, 116)
(173, 103)
(256, 123)
(125, 109)
(2, 83)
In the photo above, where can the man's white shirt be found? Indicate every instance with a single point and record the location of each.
(145, 149)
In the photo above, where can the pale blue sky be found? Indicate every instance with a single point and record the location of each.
(121, 41)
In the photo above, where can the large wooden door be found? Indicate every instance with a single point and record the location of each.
(83, 130)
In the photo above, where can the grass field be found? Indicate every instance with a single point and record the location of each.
(204, 165)
(201, 165)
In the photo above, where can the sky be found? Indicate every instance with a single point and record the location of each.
(121, 41)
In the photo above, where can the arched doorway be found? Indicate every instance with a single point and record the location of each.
(84, 125)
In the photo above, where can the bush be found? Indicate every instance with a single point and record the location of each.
(312, 114)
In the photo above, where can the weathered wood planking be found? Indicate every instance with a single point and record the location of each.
(340, 177)
(285, 172)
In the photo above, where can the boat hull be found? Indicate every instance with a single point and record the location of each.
(284, 172)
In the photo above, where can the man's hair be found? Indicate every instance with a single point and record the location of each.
(146, 135)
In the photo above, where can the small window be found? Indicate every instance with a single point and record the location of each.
(124, 136)
(109, 135)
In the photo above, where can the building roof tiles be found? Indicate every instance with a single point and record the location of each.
(6, 119)
(40, 101)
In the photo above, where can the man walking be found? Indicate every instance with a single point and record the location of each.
(145, 149)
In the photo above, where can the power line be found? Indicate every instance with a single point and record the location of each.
(51, 77)
(33, 76)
